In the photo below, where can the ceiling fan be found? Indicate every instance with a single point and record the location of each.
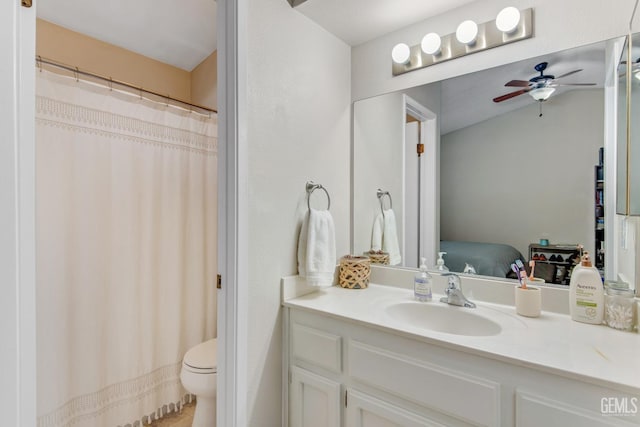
(539, 87)
(635, 69)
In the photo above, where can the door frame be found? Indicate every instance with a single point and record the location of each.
(232, 214)
(430, 178)
(17, 215)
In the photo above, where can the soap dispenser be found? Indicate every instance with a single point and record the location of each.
(422, 283)
(440, 262)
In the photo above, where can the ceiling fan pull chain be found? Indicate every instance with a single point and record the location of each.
(540, 105)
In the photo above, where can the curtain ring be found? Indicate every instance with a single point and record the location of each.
(39, 62)
(110, 84)
(76, 74)
(140, 89)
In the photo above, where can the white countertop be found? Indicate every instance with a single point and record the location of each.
(551, 342)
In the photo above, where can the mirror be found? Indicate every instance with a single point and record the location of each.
(506, 173)
(628, 172)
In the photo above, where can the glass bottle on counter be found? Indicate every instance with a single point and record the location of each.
(619, 306)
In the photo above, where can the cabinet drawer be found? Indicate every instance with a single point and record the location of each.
(534, 411)
(367, 411)
(470, 399)
(317, 347)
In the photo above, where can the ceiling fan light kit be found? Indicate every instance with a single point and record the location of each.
(542, 93)
(510, 26)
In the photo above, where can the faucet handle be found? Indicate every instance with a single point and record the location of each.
(453, 281)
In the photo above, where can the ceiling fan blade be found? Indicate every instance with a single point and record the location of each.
(573, 84)
(569, 73)
(518, 83)
(510, 95)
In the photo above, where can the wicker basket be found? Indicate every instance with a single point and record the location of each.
(354, 272)
(378, 257)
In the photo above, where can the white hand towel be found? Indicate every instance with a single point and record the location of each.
(376, 233)
(317, 248)
(384, 236)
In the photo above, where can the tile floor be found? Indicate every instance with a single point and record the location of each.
(180, 419)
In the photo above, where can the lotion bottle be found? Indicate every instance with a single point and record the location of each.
(586, 293)
(422, 283)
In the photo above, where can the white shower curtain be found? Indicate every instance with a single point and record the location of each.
(126, 251)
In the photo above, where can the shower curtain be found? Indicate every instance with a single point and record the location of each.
(126, 251)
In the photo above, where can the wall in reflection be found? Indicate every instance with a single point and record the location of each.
(518, 177)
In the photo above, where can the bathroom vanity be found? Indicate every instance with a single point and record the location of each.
(375, 357)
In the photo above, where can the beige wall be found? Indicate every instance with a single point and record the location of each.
(204, 84)
(76, 49)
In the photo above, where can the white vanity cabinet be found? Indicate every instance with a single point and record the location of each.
(348, 373)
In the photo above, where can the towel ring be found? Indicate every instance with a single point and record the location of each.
(380, 195)
(311, 187)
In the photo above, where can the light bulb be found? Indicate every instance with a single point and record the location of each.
(467, 32)
(401, 53)
(508, 19)
(542, 93)
(431, 44)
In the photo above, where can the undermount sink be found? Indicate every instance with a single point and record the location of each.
(443, 318)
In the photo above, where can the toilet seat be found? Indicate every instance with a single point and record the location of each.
(202, 359)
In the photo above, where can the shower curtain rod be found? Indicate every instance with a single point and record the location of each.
(40, 60)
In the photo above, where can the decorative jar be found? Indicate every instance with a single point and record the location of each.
(619, 306)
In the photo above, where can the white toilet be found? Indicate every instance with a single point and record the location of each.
(199, 376)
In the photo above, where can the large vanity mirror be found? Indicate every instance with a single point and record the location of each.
(495, 178)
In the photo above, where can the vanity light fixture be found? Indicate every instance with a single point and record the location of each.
(542, 93)
(467, 32)
(508, 19)
(431, 44)
(511, 25)
(401, 53)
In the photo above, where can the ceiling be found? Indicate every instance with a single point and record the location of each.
(184, 33)
(181, 33)
(468, 99)
(358, 21)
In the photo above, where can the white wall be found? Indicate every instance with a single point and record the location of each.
(298, 129)
(518, 177)
(559, 25)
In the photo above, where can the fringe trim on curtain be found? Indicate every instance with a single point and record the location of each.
(164, 411)
(88, 406)
(70, 116)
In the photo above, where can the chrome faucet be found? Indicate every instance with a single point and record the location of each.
(454, 292)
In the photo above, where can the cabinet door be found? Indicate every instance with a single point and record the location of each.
(315, 400)
(367, 411)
